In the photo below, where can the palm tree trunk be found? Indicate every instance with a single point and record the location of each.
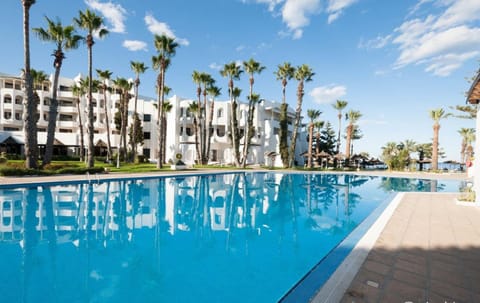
(339, 131)
(159, 122)
(310, 145)
(298, 113)
(82, 144)
(134, 127)
(124, 126)
(107, 122)
(29, 125)
(52, 118)
(235, 139)
(203, 123)
(197, 147)
(210, 127)
(436, 128)
(348, 141)
(91, 148)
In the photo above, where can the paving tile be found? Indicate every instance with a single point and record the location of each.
(449, 290)
(376, 267)
(410, 267)
(410, 278)
(402, 291)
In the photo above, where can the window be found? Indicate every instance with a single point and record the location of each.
(18, 100)
(18, 116)
(147, 117)
(189, 131)
(8, 84)
(10, 129)
(7, 99)
(64, 130)
(220, 113)
(46, 101)
(7, 115)
(146, 135)
(146, 152)
(220, 130)
(42, 130)
(64, 88)
(66, 117)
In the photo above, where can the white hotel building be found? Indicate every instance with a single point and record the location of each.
(180, 131)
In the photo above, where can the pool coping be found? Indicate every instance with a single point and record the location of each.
(336, 286)
(332, 275)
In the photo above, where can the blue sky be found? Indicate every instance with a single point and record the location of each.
(392, 60)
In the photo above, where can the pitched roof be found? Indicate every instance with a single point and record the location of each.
(473, 96)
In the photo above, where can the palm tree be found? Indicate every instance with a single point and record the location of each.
(30, 110)
(79, 91)
(105, 75)
(468, 136)
(313, 114)
(64, 38)
(232, 71)
(251, 67)
(194, 108)
(436, 115)
(92, 23)
(303, 74)
(284, 73)
(166, 48)
(352, 116)
(138, 68)
(214, 92)
(339, 106)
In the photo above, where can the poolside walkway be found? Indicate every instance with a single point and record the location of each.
(429, 251)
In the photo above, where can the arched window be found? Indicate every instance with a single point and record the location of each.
(7, 99)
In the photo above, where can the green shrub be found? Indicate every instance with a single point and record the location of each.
(3, 160)
(9, 171)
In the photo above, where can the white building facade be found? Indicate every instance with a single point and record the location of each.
(180, 136)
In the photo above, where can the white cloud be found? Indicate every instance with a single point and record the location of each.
(160, 28)
(294, 14)
(271, 3)
(240, 48)
(114, 13)
(328, 94)
(215, 66)
(442, 41)
(336, 7)
(376, 43)
(135, 45)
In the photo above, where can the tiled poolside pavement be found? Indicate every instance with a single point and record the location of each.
(429, 251)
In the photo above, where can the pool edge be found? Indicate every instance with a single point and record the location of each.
(336, 286)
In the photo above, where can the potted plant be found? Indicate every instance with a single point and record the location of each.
(178, 164)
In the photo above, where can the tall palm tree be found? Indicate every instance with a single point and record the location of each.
(352, 116)
(232, 71)
(251, 67)
(436, 115)
(303, 74)
(104, 76)
(30, 110)
(313, 114)
(138, 68)
(65, 38)
(79, 91)
(284, 73)
(92, 23)
(166, 48)
(468, 136)
(339, 106)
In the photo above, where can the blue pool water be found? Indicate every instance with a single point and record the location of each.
(246, 237)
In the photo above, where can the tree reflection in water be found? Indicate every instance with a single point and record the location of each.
(145, 239)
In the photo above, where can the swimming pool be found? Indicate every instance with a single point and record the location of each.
(234, 237)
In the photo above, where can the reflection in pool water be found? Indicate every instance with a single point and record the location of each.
(207, 238)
